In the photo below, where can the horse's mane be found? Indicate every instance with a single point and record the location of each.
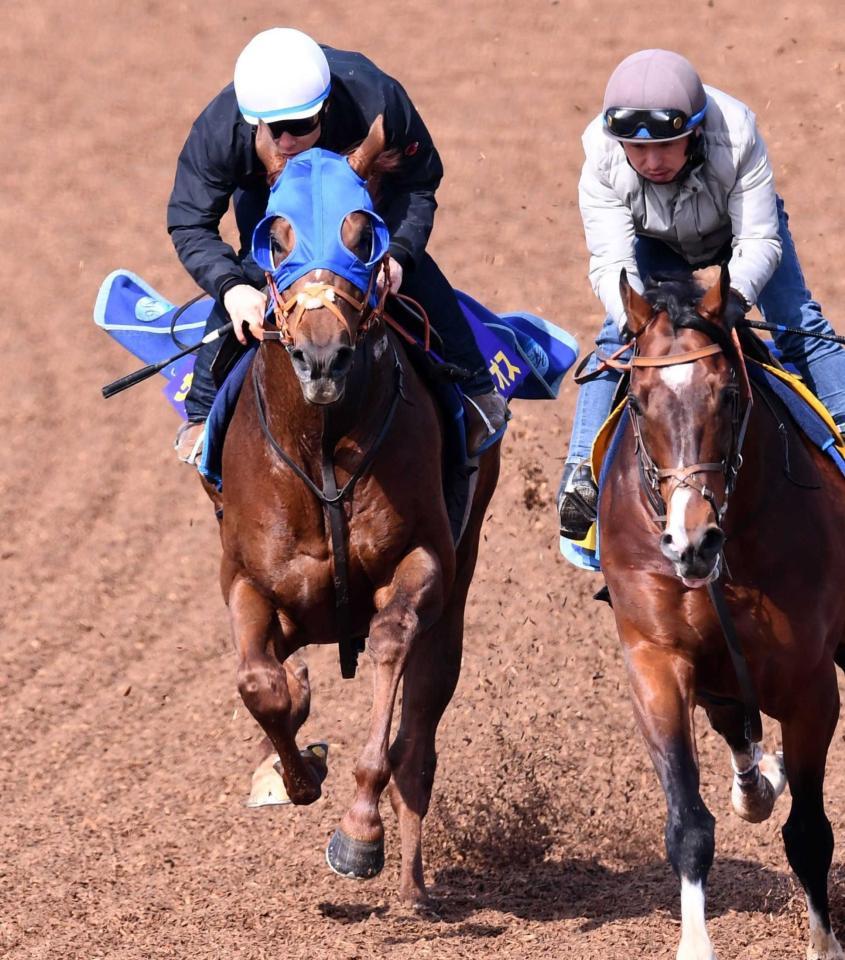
(678, 295)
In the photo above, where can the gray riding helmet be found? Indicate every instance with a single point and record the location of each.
(655, 80)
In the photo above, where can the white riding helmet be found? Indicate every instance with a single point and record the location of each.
(281, 74)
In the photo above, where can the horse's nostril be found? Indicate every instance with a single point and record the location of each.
(666, 540)
(342, 361)
(711, 542)
(297, 355)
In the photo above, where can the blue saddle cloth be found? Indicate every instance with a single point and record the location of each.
(527, 356)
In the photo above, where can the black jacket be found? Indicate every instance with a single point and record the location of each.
(219, 161)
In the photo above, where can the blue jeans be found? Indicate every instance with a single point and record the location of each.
(785, 300)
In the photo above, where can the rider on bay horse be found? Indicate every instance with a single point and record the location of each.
(677, 177)
(309, 96)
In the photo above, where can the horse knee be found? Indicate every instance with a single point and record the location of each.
(391, 632)
(264, 691)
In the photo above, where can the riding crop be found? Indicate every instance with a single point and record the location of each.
(123, 383)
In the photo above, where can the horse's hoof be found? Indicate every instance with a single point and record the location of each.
(754, 799)
(358, 859)
(268, 788)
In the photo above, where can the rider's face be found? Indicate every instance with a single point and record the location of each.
(290, 146)
(656, 161)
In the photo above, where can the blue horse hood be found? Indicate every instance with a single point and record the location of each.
(316, 191)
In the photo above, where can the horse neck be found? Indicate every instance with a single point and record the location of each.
(296, 423)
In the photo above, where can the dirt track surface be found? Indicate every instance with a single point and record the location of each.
(126, 754)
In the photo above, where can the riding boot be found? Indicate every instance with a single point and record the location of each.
(190, 436)
(487, 414)
(577, 500)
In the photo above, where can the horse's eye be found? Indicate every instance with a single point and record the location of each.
(635, 404)
(276, 251)
(364, 245)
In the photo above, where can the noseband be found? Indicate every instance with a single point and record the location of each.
(316, 296)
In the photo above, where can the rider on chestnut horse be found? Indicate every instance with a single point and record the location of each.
(309, 96)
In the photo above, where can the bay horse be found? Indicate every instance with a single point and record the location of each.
(686, 504)
(337, 407)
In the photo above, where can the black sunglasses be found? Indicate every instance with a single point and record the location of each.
(300, 127)
(633, 124)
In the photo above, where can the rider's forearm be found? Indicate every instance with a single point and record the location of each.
(212, 263)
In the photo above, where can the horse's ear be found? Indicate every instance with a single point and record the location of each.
(714, 301)
(637, 308)
(361, 159)
(269, 153)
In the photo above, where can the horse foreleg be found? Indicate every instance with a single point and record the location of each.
(268, 787)
(807, 833)
(263, 686)
(758, 777)
(662, 686)
(406, 607)
(430, 680)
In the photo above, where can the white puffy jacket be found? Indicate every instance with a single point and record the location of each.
(728, 198)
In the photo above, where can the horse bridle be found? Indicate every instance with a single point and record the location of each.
(316, 295)
(651, 475)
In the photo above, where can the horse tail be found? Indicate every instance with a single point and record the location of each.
(839, 656)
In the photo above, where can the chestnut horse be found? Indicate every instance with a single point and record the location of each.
(738, 511)
(342, 393)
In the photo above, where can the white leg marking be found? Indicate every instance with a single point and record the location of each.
(695, 942)
(823, 944)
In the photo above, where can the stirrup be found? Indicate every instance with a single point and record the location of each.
(189, 441)
(577, 500)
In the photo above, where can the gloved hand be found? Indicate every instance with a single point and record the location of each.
(736, 308)
(246, 306)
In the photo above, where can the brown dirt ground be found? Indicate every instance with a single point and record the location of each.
(126, 754)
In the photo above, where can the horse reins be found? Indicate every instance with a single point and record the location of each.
(289, 312)
(651, 476)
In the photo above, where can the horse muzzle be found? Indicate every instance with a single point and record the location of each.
(322, 371)
(696, 561)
